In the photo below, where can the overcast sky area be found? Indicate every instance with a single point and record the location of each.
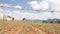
(47, 5)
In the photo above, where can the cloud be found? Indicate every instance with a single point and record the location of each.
(19, 15)
(6, 5)
(41, 5)
(54, 4)
(32, 16)
(45, 5)
(56, 15)
(18, 7)
(10, 6)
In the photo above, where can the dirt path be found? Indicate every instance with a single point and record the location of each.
(17, 30)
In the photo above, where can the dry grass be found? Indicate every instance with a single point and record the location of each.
(19, 27)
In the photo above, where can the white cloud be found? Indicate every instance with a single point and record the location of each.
(10, 6)
(43, 5)
(18, 7)
(55, 4)
(6, 5)
(41, 16)
(20, 15)
(56, 15)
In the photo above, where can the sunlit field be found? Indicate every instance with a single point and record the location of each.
(28, 27)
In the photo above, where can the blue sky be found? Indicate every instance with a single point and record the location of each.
(23, 3)
(17, 2)
(31, 4)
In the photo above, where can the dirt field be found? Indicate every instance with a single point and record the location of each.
(20, 27)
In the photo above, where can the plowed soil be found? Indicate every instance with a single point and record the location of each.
(19, 27)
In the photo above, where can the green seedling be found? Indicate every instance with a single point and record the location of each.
(0, 29)
(38, 32)
(11, 28)
(25, 30)
(3, 31)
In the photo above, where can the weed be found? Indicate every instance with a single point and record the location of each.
(4, 31)
(11, 28)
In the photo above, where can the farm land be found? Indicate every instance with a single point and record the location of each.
(28, 27)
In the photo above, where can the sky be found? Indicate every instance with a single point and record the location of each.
(47, 5)
(16, 2)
